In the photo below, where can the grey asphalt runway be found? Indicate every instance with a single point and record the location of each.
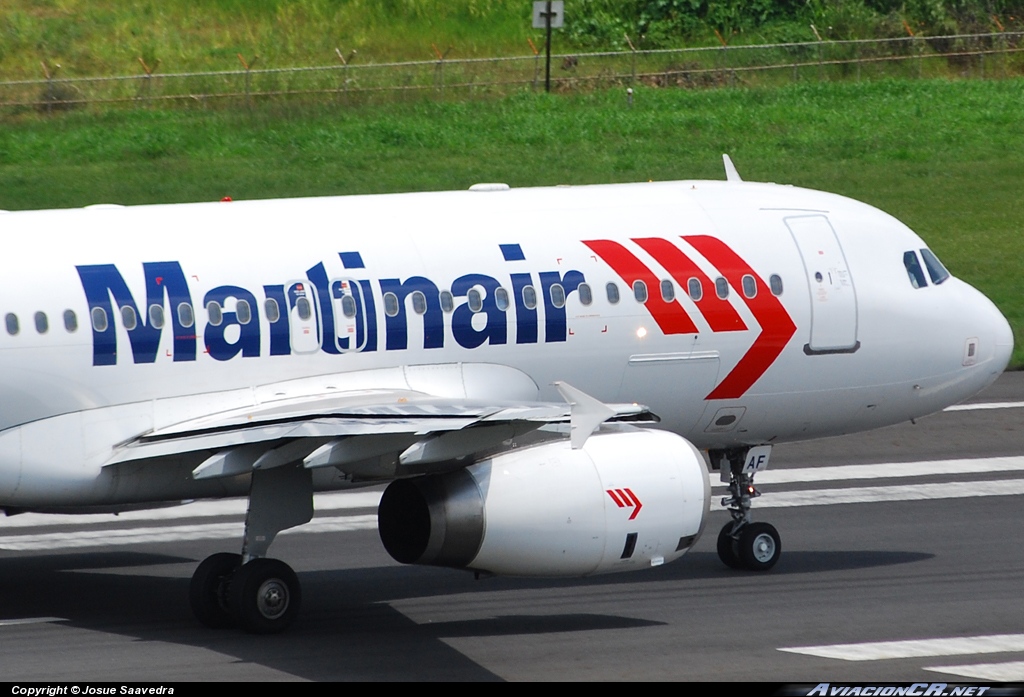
(918, 577)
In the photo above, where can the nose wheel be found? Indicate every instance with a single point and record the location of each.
(742, 543)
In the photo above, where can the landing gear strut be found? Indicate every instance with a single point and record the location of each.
(261, 595)
(742, 543)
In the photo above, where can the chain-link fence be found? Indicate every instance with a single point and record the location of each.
(971, 55)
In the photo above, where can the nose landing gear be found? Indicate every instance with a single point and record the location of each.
(742, 543)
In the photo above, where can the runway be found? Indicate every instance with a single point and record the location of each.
(902, 561)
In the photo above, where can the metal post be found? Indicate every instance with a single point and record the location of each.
(632, 71)
(536, 62)
(547, 61)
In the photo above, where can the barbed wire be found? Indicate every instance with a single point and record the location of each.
(494, 73)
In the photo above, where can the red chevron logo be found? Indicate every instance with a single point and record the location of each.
(625, 498)
(777, 327)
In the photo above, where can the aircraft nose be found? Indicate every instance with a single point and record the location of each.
(993, 329)
(1003, 340)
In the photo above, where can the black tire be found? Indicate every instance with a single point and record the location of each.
(208, 591)
(265, 596)
(728, 548)
(759, 546)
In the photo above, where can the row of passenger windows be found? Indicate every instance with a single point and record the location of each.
(474, 298)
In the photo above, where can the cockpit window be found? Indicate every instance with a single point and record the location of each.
(914, 270)
(936, 270)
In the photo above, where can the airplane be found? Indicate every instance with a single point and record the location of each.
(545, 376)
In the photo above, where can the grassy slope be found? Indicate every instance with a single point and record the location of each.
(104, 37)
(943, 156)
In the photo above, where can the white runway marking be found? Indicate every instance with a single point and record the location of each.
(171, 533)
(915, 648)
(985, 405)
(923, 468)
(334, 501)
(874, 494)
(1012, 671)
(31, 620)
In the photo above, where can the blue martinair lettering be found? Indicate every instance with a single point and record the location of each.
(318, 277)
(217, 344)
(554, 317)
(526, 318)
(367, 314)
(433, 319)
(280, 338)
(101, 282)
(341, 313)
(495, 330)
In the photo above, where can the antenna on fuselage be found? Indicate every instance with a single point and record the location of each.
(731, 175)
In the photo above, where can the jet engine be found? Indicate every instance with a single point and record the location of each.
(626, 500)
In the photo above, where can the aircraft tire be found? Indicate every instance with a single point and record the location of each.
(759, 546)
(207, 593)
(727, 548)
(265, 596)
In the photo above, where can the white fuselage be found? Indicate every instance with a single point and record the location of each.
(828, 335)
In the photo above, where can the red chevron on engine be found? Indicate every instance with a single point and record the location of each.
(625, 498)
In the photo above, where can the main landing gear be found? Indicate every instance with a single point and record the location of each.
(248, 590)
(742, 543)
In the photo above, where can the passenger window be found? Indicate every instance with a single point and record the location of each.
(936, 270)
(695, 288)
(557, 293)
(216, 315)
(128, 318)
(501, 299)
(156, 316)
(99, 321)
(640, 291)
(419, 302)
(243, 313)
(186, 317)
(476, 301)
(70, 321)
(42, 324)
(348, 306)
(584, 293)
(668, 291)
(12, 323)
(914, 270)
(390, 304)
(775, 283)
(749, 286)
(721, 288)
(613, 293)
(529, 297)
(447, 301)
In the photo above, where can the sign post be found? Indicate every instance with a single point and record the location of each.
(548, 15)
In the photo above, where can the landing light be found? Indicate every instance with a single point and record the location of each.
(641, 333)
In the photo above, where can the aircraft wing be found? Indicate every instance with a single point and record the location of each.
(411, 427)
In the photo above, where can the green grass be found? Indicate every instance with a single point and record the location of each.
(944, 156)
(106, 37)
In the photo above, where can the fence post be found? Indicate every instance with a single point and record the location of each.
(820, 41)
(344, 73)
(536, 63)
(248, 69)
(147, 81)
(632, 68)
(50, 90)
(439, 69)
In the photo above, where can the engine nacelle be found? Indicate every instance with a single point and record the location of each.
(626, 500)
